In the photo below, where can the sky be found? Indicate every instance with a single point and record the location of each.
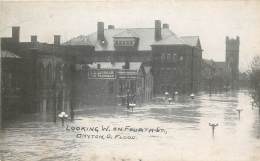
(211, 20)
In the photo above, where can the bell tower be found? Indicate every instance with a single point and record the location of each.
(232, 60)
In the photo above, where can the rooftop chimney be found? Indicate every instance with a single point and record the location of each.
(98, 66)
(16, 33)
(100, 31)
(33, 38)
(111, 27)
(157, 30)
(166, 26)
(56, 39)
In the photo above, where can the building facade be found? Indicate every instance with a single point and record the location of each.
(232, 60)
(117, 83)
(175, 61)
(49, 73)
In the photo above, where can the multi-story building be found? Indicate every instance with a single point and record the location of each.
(232, 60)
(49, 71)
(175, 61)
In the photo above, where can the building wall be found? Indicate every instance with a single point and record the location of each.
(12, 87)
(121, 56)
(53, 85)
(176, 68)
(102, 92)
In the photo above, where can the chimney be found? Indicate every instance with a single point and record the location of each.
(227, 38)
(157, 30)
(237, 38)
(111, 27)
(56, 39)
(166, 26)
(16, 33)
(100, 31)
(98, 66)
(34, 38)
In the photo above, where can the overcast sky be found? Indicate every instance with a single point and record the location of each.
(210, 20)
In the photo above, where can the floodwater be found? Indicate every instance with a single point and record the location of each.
(183, 133)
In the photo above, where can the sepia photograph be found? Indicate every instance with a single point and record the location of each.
(130, 80)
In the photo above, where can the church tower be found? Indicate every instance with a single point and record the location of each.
(232, 60)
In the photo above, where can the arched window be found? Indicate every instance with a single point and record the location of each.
(163, 57)
(58, 72)
(49, 72)
(41, 74)
(168, 57)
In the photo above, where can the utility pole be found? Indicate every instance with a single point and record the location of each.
(0, 83)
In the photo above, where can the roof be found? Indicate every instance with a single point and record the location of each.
(127, 33)
(190, 40)
(145, 35)
(147, 69)
(171, 40)
(8, 54)
(116, 65)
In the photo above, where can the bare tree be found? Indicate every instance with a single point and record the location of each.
(255, 81)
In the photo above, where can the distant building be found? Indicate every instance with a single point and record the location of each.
(232, 60)
(223, 75)
(175, 61)
(214, 75)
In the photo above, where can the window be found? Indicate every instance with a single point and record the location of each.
(174, 57)
(163, 57)
(168, 58)
(111, 87)
(181, 58)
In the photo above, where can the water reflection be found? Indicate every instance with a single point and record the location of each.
(188, 135)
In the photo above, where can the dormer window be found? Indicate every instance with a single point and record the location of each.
(126, 40)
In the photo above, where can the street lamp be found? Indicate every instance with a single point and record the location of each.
(63, 116)
(132, 105)
(213, 125)
(239, 111)
(192, 96)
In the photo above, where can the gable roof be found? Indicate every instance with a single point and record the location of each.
(125, 34)
(145, 35)
(193, 41)
(171, 40)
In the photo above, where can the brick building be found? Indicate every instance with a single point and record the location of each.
(165, 52)
(12, 84)
(49, 71)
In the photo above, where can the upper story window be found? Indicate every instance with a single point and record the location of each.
(181, 58)
(169, 57)
(124, 42)
(163, 57)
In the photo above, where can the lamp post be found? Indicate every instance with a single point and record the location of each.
(239, 111)
(63, 116)
(192, 96)
(127, 98)
(166, 95)
(213, 125)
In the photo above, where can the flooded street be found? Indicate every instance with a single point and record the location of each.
(184, 133)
